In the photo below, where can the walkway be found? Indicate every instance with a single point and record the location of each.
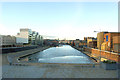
(13, 57)
(56, 72)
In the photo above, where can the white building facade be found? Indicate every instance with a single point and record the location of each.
(24, 36)
(27, 36)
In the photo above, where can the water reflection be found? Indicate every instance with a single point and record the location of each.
(63, 54)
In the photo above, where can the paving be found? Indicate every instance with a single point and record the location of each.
(56, 72)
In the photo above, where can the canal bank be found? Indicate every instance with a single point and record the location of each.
(94, 59)
(14, 57)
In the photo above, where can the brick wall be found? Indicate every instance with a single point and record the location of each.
(104, 54)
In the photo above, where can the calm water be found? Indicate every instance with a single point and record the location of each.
(63, 54)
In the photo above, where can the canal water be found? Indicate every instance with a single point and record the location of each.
(62, 54)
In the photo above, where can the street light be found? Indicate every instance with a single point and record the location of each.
(100, 49)
(97, 31)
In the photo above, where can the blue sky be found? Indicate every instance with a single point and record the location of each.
(68, 20)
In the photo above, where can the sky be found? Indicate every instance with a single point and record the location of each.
(63, 20)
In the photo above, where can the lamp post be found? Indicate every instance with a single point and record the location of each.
(100, 49)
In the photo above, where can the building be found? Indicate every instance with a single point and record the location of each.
(8, 41)
(93, 44)
(34, 38)
(116, 44)
(90, 39)
(100, 39)
(64, 41)
(85, 38)
(82, 43)
(51, 42)
(77, 41)
(110, 40)
(25, 36)
(39, 40)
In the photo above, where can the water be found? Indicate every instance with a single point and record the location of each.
(63, 54)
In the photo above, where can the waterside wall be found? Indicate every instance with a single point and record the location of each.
(104, 54)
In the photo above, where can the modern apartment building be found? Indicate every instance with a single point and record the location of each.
(40, 40)
(27, 36)
(24, 36)
(36, 38)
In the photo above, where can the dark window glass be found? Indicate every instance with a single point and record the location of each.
(107, 38)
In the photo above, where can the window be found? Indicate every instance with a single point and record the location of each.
(107, 38)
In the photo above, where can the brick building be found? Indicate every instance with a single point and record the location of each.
(116, 44)
(100, 38)
(108, 43)
(93, 44)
